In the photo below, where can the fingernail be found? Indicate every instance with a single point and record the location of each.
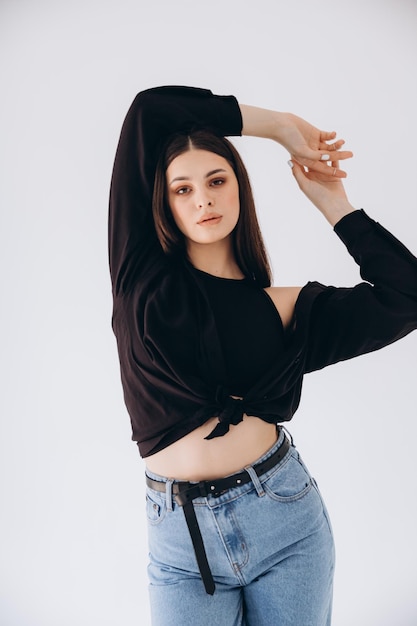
(291, 164)
(324, 157)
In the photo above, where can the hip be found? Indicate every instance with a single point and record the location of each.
(245, 528)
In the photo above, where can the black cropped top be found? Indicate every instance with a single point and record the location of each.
(249, 328)
(177, 349)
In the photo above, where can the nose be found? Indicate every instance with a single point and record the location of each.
(202, 203)
(203, 197)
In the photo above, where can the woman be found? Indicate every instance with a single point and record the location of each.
(212, 357)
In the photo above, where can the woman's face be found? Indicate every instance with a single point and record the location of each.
(203, 194)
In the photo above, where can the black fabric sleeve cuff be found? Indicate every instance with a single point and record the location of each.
(231, 115)
(353, 225)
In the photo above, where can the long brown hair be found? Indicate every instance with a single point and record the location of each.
(249, 247)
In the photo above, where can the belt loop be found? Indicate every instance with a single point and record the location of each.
(289, 435)
(168, 493)
(255, 479)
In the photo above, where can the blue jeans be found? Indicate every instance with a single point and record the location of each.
(269, 545)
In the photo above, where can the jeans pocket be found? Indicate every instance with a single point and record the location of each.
(155, 507)
(290, 482)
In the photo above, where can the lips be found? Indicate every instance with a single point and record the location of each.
(209, 218)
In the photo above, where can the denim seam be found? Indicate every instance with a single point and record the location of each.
(236, 567)
(325, 512)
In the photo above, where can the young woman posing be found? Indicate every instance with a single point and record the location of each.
(212, 356)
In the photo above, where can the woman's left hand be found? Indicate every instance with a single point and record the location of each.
(325, 190)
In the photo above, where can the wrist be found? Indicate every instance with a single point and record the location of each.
(336, 211)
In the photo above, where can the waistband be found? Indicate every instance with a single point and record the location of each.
(185, 492)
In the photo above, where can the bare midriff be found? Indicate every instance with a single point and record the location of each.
(195, 458)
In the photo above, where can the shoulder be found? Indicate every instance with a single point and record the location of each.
(284, 298)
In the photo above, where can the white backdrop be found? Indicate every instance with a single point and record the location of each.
(72, 527)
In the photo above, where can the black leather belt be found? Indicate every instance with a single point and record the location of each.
(186, 492)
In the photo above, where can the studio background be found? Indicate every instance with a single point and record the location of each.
(72, 520)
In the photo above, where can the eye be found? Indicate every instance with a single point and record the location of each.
(217, 182)
(182, 190)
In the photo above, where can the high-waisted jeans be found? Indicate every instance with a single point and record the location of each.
(269, 545)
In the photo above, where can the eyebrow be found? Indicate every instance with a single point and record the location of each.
(216, 171)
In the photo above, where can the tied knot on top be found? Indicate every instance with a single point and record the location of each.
(231, 412)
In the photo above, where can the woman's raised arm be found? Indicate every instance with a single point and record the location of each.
(153, 116)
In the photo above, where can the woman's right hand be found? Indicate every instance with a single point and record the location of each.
(309, 145)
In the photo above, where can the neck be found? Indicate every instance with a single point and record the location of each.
(217, 259)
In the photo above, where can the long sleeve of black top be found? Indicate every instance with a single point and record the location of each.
(346, 322)
(154, 115)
